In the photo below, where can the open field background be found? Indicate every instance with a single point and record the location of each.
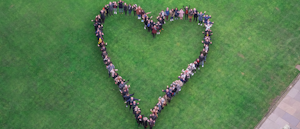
(52, 75)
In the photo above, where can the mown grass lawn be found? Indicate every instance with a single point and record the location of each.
(52, 74)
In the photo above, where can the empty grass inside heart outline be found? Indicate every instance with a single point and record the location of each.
(183, 78)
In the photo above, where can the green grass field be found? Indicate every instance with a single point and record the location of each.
(52, 74)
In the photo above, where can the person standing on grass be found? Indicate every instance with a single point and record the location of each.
(145, 17)
(145, 122)
(151, 123)
(115, 8)
(124, 92)
(110, 67)
(186, 10)
(160, 25)
(159, 105)
(195, 15)
(103, 48)
(204, 52)
(147, 22)
(131, 101)
(134, 9)
(200, 17)
(167, 12)
(172, 14)
(174, 90)
(110, 8)
(176, 13)
(105, 60)
(122, 84)
(127, 96)
(107, 10)
(169, 94)
(136, 111)
(206, 42)
(154, 117)
(138, 12)
(102, 13)
(162, 100)
(201, 58)
(206, 18)
(134, 104)
(129, 9)
(96, 24)
(206, 37)
(180, 14)
(162, 13)
(208, 24)
(125, 8)
(103, 54)
(140, 120)
(207, 32)
(191, 14)
(196, 64)
(121, 6)
(154, 31)
(154, 111)
(149, 25)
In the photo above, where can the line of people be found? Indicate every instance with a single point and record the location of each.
(171, 90)
(164, 15)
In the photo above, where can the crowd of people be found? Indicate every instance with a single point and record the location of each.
(175, 87)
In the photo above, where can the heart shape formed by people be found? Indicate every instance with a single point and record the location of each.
(155, 29)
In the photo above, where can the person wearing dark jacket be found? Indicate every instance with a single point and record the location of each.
(201, 58)
(134, 9)
(124, 93)
(129, 9)
(176, 13)
(96, 25)
(126, 97)
(107, 10)
(169, 94)
(125, 8)
(204, 52)
(131, 101)
(206, 42)
(195, 15)
(140, 120)
(174, 90)
(136, 111)
(102, 14)
(149, 25)
(151, 123)
(122, 84)
(206, 18)
(186, 12)
(116, 74)
(207, 32)
(121, 6)
(134, 104)
(145, 122)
